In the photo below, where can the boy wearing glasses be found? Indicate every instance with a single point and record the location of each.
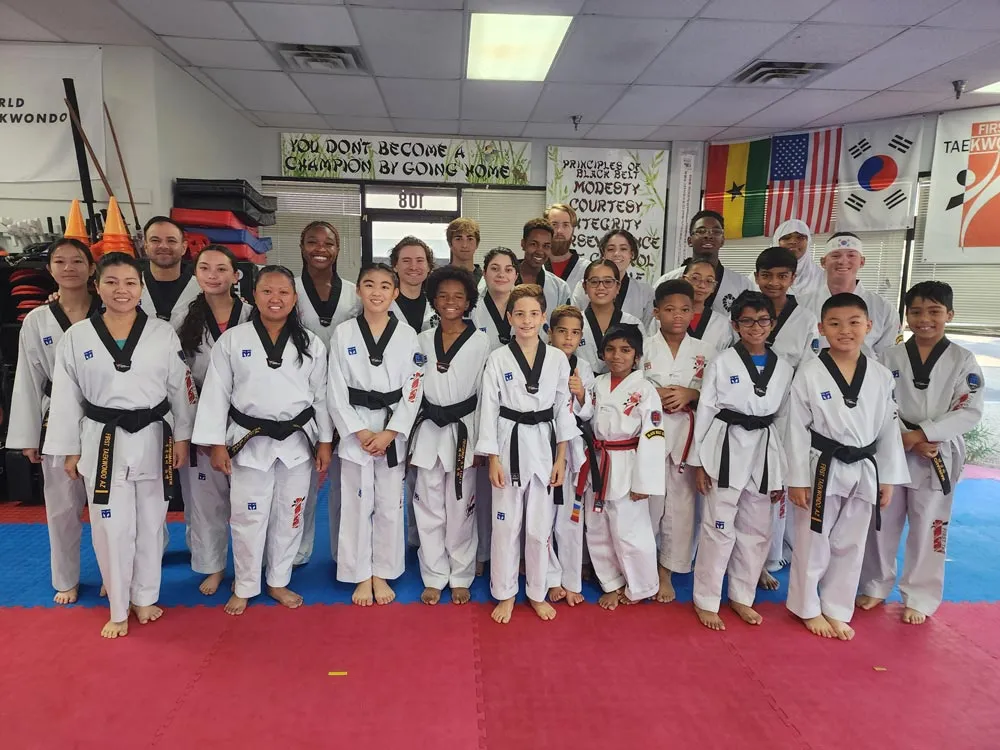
(740, 460)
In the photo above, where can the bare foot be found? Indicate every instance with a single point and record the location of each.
(543, 609)
(710, 620)
(768, 582)
(666, 592)
(503, 611)
(748, 614)
(480, 568)
(573, 598)
(104, 592)
(66, 597)
(430, 595)
(587, 572)
(211, 584)
(113, 629)
(460, 595)
(284, 596)
(913, 617)
(557, 594)
(867, 602)
(610, 600)
(383, 591)
(841, 630)
(236, 605)
(363, 595)
(147, 614)
(820, 626)
(625, 600)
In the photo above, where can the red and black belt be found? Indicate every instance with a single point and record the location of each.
(602, 460)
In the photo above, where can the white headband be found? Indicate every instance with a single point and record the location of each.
(844, 242)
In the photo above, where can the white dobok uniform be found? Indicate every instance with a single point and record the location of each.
(635, 297)
(714, 328)
(573, 273)
(885, 330)
(373, 386)
(171, 304)
(830, 536)
(589, 349)
(945, 403)
(119, 409)
(728, 286)
(555, 289)
(429, 318)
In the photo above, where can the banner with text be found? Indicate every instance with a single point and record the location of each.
(405, 159)
(36, 136)
(610, 189)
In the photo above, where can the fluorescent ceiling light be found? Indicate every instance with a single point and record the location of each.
(505, 47)
(993, 88)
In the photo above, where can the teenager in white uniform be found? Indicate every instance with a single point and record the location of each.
(634, 295)
(844, 453)
(206, 491)
(741, 462)
(71, 266)
(168, 287)
(375, 384)
(263, 411)
(706, 237)
(707, 324)
(795, 235)
(939, 391)
(536, 243)
(325, 301)
(675, 363)
(601, 282)
(525, 423)
(443, 441)
(843, 260)
(126, 405)
(564, 261)
(412, 260)
(630, 452)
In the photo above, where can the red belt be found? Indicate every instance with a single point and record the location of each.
(601, 449)
(690, 437)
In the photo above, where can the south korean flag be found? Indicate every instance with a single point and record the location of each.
(878, 175)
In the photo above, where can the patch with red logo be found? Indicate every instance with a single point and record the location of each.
(192, 390)
(939, 530)
(414, 387)
(656, 417)
(633, 401)
(962, 401)
(297, 512)
(699, 366)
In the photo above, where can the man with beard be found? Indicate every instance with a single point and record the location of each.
(168, 288)
(564, 262)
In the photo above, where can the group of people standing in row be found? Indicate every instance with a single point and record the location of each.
(658, 430)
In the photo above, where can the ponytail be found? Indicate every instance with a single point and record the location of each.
(192, 330)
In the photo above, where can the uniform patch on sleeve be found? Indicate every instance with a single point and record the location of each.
(508, 376)
(192, 391)
(647, 366)
(815, 346)
(352, 350)
(895, 374)
(899, 339)
(47, 340)
(973, 381)
(650, 434)
(656, 417)
(414, 387)
(419, 359)
(180, 354)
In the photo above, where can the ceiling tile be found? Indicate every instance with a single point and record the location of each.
(356, 96)
(418, 44)
(740, 133)
(19, 28)
(763, 10)
(193, 18)
(815, 42)
(728, 106)
(560, 100)
(904, 56)
(291, 120)
(494, 129)
(199, 75)
(645, 8)
(600, 49)
(425, 100)
(880, 14)
(223, 53)
(880, 105)
(410, 4)
(978, 69)
(87, 22)
(720, 48)
(360, 124)
(966, 102)
(803, 106)
(300, 24)
(261, 91)
(969, 14)
(528, 7)
(430, 127)
(652, 105)
(683, 133)
(620, 132)
(510, 101)
(554, 130)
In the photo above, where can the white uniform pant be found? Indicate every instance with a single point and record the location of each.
(566, 556)
(735, 537)
(267, 513)
(64, 501)
(447, 527)
(308, 539)
(673, 517)
(484, 512)
(333, 504)
(623, 546)
(530, 506)
(826, 567)
(781, 529)
(371, 521)
(128, 540)
(928, 512)
(206, 510)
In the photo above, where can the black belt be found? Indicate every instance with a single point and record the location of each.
(47, 390)
(937, 462)
(592, 463)
(847, 454)
(376, 400)
(529, 418)
(747, 422)
(270, 428)
(132, 421)
(443, 416)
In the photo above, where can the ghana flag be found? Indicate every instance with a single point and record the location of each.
(736, 185)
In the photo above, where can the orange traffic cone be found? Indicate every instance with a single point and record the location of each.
(115, 239)
(76, 229)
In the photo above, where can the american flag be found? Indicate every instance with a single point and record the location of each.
(803, 185)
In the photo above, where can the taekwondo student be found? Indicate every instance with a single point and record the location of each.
(939, 391)
(412, 260)
(443, 440)
(263, 411)
(564, 261)
(536, 241)
(601, 281)
(844, 453)
(206, 491)
(126, 405)
(707, 324)
(794, 235)
(741, 462)
(462, 235)
(630, 450)
(525, 423)
(375, 383)
(71, 266)
(325, 301)
(635, 295)
(168, 288)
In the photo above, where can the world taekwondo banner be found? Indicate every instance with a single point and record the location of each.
(36, 137)
(611, 189)
(963, 215)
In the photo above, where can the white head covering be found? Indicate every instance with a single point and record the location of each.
(792, 225)
(844, 242)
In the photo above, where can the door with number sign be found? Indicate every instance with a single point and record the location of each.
(392, 212)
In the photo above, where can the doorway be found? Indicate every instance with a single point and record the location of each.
(391, 212)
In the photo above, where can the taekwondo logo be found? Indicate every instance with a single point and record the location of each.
(483, 329)
(501, 515)
(973, 381)
(633, 401)
(508, 376)
(251, 506)
(201, 476)
(727, 301)
(89, 354)
(247, 353)
(979, 182)
(895, 373)
(734, 379)
(825, 395)
(720, 524)
(940, 532)
(47, 340)
(352, 350)
(815, 346)
(699, 366)
(419, 359)
(655, 417)
(106, 513)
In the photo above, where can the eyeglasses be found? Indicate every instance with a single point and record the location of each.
(606, 283)
(700, 281)
(705, 232)
(751, 322)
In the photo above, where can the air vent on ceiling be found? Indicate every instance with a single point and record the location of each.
(312, 58)
(775, 73)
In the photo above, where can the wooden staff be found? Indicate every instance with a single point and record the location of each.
(121, 161)
(90, 150)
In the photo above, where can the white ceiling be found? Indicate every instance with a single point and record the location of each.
(652, 70)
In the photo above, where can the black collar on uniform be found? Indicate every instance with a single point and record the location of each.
(274, 351)
(121, 355)
(444, 358)
(786, 312)
(622, 292)
(699, 330)
(499, 319)
(848, 391)
(166, 293)
(325, 309)
(922, 370)
(376, 349)
(595, 327)
(212, 324)
(63, 320)
(720, 272)
(531, 374)
(762, 378)
(574, 258)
